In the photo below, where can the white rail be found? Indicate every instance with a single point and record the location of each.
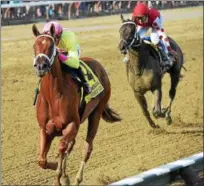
(162, 175)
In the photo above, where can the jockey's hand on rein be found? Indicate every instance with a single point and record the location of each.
(174, 54)
(61, 51)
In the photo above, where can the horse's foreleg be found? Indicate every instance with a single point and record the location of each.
(93, 122)
(143, 103)
(45, 142)
(172, 93)
(157, 103)
(69, 133)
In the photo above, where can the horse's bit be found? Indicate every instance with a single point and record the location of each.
(51, 59)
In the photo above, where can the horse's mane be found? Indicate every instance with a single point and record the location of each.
(66, 68)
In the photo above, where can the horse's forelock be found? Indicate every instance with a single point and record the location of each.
(44, 41)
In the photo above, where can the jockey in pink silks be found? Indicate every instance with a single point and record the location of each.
(67, 42)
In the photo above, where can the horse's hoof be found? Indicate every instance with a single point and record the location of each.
(157, 127)
(157, 114)
(65, 181)
(169, 121)
(154, 126)
(163, 111)
(77, 181)
(56, 183)
(162, 115)
(42, 164)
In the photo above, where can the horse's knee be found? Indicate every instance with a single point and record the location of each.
(69, 134)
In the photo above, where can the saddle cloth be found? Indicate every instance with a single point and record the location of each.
(156, 50)
(92, 80)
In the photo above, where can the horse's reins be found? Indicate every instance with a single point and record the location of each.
(135, 37)
(50, 59)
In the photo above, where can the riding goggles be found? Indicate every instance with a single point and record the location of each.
(141, 18)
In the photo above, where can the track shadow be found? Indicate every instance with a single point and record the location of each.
(157, 131)
(179, 127)
(51, 166)
(178, 122)
(194, 132)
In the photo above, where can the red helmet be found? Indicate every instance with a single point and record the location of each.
(140, 10)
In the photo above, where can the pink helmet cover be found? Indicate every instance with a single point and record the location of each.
(58, 27)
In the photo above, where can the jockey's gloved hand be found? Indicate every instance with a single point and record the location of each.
(173, 55)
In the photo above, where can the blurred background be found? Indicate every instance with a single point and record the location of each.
(23, 12)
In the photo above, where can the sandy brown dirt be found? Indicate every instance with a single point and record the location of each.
(121, 149)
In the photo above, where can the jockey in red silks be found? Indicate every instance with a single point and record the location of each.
(66, 42)
(146, 18)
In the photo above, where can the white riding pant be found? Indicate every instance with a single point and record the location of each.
(158, 31)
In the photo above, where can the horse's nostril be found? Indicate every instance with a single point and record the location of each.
(122, 47)
(44, 66)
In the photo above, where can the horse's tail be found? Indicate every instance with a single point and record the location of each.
(110, 115)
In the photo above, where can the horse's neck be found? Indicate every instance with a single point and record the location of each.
(135, 61)
(53, 82)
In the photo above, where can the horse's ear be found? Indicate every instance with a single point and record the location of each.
(35, 31)
(122, 18)
(52, 30)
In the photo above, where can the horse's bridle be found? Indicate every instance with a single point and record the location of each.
(50, 59)
(135, 37)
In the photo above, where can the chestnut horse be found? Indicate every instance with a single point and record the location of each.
(59, 112)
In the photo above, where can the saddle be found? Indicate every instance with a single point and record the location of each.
(155, 51)
(160, 55)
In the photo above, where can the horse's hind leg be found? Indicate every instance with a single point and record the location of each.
(172, 93)
(143, 103)
(65, 178)
(93, 122)
(157, 103)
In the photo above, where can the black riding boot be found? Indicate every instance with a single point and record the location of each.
(86, 86)
(163, 54)
(166, 65)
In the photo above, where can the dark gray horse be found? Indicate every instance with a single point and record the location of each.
(144, 70)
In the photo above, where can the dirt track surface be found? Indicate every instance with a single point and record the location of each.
(121, 149)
